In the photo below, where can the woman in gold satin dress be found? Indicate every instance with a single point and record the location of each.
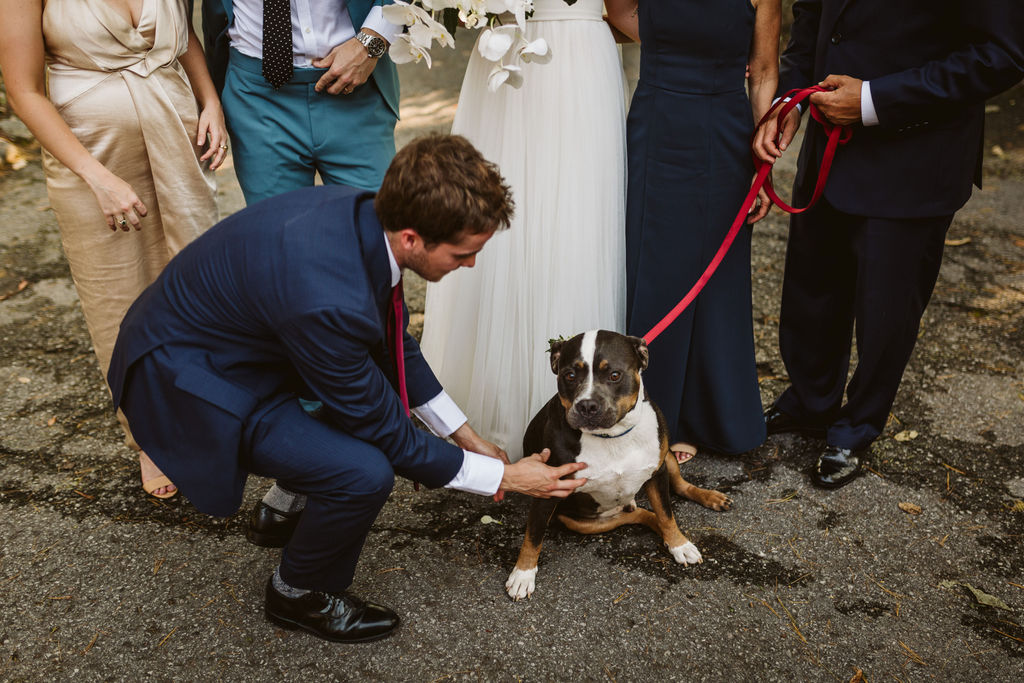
(118, 94)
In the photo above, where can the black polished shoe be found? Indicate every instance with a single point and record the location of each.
(271, 528)
(778, 422)
(837, 467)
(340, 617)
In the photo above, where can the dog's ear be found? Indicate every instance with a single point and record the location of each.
(555, 349)
(640, 347)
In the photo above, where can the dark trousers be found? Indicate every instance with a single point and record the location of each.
(846, 272)
(346, 483)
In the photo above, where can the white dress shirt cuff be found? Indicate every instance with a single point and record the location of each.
(375, 21)
(799, 106)
(441, 415)
(479, 474)
(868, 115)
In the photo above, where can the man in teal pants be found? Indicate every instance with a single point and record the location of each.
(307, 88)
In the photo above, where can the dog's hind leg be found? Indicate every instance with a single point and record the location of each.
(709, 498)
(657, 488)
(522, 581)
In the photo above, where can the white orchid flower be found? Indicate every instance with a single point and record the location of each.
(505, 74)
(403, 50)
(494, 43)
(536, 51)
(405, 14)
(470, 17)
(437, 5)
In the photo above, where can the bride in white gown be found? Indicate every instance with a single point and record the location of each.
(560, 270)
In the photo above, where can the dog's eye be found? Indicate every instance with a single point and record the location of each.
(615, 376)
(569, 376)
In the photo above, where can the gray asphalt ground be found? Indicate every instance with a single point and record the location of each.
(913, 572)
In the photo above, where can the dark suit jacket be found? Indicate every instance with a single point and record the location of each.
(287, 297)
(931, 65)
(218, 15)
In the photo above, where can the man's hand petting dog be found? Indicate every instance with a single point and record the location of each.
(534, 478)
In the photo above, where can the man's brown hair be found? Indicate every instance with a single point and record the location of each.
(442, 187)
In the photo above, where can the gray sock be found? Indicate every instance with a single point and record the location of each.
(283, 588)
(283, 500)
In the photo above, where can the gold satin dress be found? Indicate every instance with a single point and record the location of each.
(125, 96)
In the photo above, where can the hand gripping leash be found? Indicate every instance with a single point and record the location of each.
(837, 135)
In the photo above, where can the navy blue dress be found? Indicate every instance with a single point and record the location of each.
(688, 131)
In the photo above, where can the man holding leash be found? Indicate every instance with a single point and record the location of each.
(912, 78)
(300, 297)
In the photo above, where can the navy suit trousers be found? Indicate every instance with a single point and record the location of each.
(346, 482)
(845, 272)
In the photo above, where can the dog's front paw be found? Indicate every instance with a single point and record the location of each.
(521, 582)
(686, 554)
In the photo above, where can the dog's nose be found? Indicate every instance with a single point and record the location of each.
(588, 408)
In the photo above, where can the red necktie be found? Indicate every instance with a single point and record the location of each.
(396, 330)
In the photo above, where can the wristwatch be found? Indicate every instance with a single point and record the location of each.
(375, 46)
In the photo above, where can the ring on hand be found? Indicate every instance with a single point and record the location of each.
(346, 91)
(223, 146)
(123, 221)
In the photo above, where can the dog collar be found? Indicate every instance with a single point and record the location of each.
(614, 436)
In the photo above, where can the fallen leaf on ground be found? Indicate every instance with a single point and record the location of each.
(858, 677)
(24, 380)
(910, 508)
(998, 151)
(981, 596)
(906, 435)
(958, 241)
(986, 599)
(487, 519)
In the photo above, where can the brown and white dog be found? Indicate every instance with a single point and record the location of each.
(601, 416)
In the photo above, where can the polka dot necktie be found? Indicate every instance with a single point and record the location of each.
(277, 42)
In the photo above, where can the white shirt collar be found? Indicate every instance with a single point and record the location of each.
(396, 272)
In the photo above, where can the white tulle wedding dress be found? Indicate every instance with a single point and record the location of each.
(560, 269)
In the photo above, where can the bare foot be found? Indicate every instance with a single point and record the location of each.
(683, 451)
(151, 472)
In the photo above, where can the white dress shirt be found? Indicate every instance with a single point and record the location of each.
(318, 26)
(479, 473)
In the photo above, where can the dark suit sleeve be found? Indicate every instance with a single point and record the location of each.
(331, 351)
(990, 61)
(215, 40)
(796, 67)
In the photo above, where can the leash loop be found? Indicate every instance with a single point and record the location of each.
(837, 135)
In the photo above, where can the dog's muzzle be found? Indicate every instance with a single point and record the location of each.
(589, 413)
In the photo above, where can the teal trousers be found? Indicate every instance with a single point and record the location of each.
(282, 138)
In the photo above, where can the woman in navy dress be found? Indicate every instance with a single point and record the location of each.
(690, 168)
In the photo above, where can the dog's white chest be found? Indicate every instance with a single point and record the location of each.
(618, 467)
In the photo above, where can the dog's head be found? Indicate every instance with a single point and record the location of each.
(598, 377)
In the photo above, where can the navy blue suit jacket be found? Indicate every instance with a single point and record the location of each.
(286, 297)
(931, 66)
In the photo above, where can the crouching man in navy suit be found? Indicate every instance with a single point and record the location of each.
(916, 78)
(290, 299)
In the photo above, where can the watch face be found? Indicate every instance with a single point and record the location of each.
(375, 46)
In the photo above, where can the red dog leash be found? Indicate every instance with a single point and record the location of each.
(837, 135)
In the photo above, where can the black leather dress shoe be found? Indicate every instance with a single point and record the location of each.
(271, 528)
(340, 617)
(778, 422)
(837, 467)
